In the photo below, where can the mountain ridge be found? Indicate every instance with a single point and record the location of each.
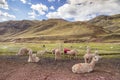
(99, 29)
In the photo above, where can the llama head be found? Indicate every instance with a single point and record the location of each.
(96, 58)
(30, 52)
(88, 50)
(96, 53)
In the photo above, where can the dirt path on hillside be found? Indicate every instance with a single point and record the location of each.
(17, 68)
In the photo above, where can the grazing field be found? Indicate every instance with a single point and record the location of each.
(105, 49)
(13, 67)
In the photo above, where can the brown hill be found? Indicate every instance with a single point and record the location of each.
(100, 28)
(109, 23)
(13, 27)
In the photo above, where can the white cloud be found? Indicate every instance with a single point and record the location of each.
(40, 8)
(26, 2)
(23, 1)
(3, 4)
(52, 7)
(32, 14)
(6, 16)
(53, 15)
(81, 10)
(51, 0)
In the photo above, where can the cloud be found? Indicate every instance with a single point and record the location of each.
(40, 8)
(26, 2)
(52, 7)
(51, 0)
(23, 1)
(3, 4)
(6, 16)
(53, 15)
(32, 14)
(81, 10)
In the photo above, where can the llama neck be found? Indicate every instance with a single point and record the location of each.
(92, 63)
(30, 54)
(88, 51)
(61, 47)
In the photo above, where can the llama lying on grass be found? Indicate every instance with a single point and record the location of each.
(32, 57)
(72, 53)
(88, 56)
(57, 53)
(85, 67)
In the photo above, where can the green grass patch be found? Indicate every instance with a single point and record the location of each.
(107, 49)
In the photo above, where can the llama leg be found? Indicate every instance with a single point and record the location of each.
(76, 56)
(85, 60)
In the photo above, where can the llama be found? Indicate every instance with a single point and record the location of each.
(85, 67)
(73, 53)
(65, 50)
(23, 51)
(42, 52)
(32, 57)
(88, 56)
(57, 53)
(53, 50)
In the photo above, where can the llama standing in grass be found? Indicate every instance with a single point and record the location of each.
(88, 56)
(23, 51)
(32, 57)
(57, 52)
(72, 53)
(85, 67)
(42, 52)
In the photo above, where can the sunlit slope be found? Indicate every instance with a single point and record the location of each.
(101, 28)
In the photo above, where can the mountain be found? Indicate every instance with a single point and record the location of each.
(13, 27)
(109, 23)
(100, 29)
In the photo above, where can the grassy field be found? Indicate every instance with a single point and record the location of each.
(105, 49)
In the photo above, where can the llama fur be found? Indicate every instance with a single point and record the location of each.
(57, 53)
(32, 57)
(88, 56)
(23, 51)
(73, 53)
(42, 52)
(85, 67)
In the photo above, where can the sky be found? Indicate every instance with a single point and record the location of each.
(71, 10)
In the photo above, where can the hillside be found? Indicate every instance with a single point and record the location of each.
(99, 29)
(109, 23)
(13, 27)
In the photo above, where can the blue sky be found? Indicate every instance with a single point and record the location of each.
(75, 10)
